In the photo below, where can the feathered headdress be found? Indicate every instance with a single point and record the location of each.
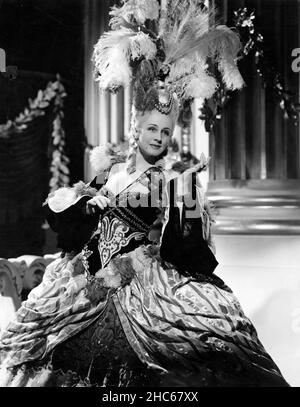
(173, 42)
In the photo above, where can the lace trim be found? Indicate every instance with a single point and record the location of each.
(86, 253)
(112, 238)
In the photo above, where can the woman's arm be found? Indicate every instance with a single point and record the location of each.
(65, 211)
(186, 240)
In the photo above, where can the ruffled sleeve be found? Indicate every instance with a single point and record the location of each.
(65, 211)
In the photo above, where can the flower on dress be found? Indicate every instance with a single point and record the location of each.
(96, 290)
(118, 273)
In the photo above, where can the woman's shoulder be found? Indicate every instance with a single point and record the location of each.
(117, 172)
(118, 178)
(102, 177)
(117, 169)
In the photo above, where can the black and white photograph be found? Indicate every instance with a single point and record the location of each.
(149, 196)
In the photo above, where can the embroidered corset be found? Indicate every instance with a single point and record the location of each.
(123, 226)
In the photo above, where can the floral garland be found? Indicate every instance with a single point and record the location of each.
(59, 166)
(211, 110)
(54, 93)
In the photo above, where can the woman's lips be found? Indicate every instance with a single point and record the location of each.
(157, 147)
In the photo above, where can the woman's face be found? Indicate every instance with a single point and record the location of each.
(156, 132)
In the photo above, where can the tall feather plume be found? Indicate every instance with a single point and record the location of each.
(134, 11)
(111, 59)
(188, 24)
(189, 42)
(189, 78)
(178, 56)
(223, 45)
(141, 45)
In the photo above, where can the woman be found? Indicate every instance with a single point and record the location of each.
(134, 301)
(127, 310)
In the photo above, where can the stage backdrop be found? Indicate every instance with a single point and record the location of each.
(255, 173)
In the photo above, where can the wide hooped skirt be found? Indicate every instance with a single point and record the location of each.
(161, 329)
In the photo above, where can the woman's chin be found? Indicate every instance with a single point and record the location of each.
(155, 151)
(152, 154)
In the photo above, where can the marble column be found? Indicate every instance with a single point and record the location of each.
(106, 116)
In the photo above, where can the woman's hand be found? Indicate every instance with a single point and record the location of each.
(98, 201)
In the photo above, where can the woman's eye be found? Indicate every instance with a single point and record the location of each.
(151, 129)
(166, 132)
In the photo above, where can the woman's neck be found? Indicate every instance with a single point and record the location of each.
(144, 161)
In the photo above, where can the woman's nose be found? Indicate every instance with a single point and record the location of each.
(158, 137)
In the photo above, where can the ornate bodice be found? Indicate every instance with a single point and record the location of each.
(135, 217)
(127, 222)
(116, 230)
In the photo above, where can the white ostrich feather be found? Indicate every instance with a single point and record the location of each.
(140, 10)
(201, 86)
(111, 58)
(182, 38)
(141, 45)
(222, 45)
(190, 78)
(190, 42)
(230, 73)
